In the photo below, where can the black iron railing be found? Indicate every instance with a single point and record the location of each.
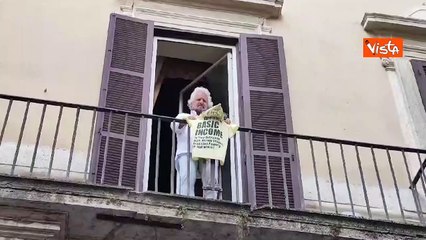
(81, 143)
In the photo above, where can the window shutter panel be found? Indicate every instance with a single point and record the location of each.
(419, 68)
(266, 106)
(125, 86)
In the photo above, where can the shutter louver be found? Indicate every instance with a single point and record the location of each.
(266, 106)
(125, 86)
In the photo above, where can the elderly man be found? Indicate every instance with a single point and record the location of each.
(199, 101)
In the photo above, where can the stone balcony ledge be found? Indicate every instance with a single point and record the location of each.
(96, 212)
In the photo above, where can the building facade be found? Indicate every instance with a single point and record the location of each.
(331, 144)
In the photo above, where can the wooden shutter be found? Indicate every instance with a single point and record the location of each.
(125, 86)
(419, 68)
(266, 106)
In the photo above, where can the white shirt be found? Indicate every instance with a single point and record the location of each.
(182, 134)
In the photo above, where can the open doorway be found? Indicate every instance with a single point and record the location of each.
(180, 67)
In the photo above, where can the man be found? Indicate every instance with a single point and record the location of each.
(199, 101)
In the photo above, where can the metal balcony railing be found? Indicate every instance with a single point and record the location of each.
(60, 141)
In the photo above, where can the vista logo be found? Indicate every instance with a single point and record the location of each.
(383, 47)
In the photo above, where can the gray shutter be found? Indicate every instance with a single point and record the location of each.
(266, 106)
(419, 68)
(125, 86)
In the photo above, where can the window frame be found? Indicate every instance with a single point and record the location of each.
(407, 99)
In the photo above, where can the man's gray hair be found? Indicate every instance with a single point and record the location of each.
(194, 94)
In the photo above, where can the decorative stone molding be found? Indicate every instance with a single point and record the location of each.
(413, 51)
(384, 23)
(418, 12)
(185, 18)
(264, 28)
(388, 64)
(27, 223)
(198, 19)
(260, 8)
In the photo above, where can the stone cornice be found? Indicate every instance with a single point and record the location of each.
(384, 23)
(187, 17)
(260, 8)
(175, 17)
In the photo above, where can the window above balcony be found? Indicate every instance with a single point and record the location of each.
(259, 8)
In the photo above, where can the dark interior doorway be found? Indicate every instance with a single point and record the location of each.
(167, 104)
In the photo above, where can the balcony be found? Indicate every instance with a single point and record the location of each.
(48, 161)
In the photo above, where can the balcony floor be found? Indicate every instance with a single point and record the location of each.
(95, 212)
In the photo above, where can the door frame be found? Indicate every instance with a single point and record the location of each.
(236, 179)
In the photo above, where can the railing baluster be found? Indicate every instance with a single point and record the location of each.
(396, 185)
(422, 176)
(110, 116)
(189, 159)
(237, 167)
(74, 134)
(413, 191)
(331, 177)
(208, 185)
(316, 174)
(139, 182)
(89, 148)
(364, 188)
(252, 178)
(55, 138)
(219, 182)
(21, 134)
(287, 203)
(157, 155)
(380, 183)
(172, 160)
(43, 112)
(347, 179)
(216, 179)
(268, 170)
(6, 118)
(123, 149)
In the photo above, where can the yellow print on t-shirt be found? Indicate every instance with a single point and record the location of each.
(210, 136)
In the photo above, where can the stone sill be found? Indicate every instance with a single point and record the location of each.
(384, 23)
(196, 218)
(260, 8)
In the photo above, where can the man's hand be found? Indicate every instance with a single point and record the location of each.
(181, 125)
(228, 121)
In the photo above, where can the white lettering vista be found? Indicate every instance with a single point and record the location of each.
(376, 48)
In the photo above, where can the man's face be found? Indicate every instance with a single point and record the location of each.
(200, 103)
